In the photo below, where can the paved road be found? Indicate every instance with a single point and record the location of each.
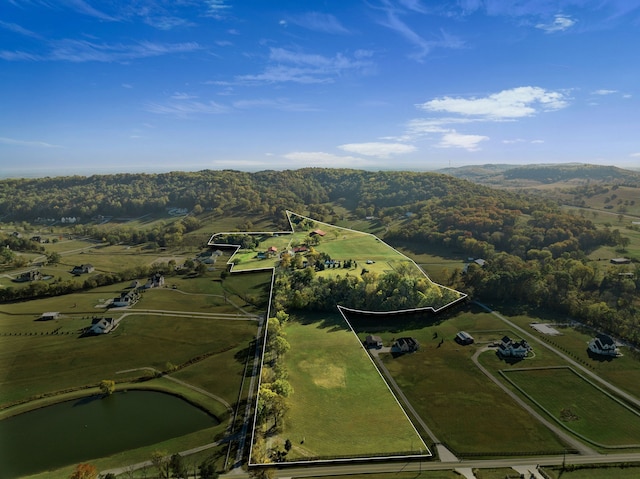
(248, 412)
(415, 466)
(443, 452)
(558, 431)
(628, 397)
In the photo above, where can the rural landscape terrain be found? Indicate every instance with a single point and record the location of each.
(479, 322)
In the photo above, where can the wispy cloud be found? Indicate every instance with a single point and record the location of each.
(165, 22)
(78, 51)
(27, 143)
(319, 22)
(635, 155)
(217, 9)
(19, 56)
(13, 27)
(327, 160)
(560, 23)
(186, 108)
(85, 8)
(282, 104)
(378, 149)
(520, 140)
(458, 140)
(298, 67)
(182, 96)
(507, 104)
(392, 20)
(604, 92)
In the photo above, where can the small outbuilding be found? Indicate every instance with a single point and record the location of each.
(48, 316)
(620, 261)
(373, 342)
(464, 338)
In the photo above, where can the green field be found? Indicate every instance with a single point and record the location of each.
(466, 411)
(623, 371)
(332, 413)
(339, 243)
(580, 406)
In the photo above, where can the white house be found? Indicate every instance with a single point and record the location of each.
(513, 349)
(102, 325)
(406, 345)
(603, 345)
(156, 281)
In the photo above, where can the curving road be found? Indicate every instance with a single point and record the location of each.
(558, 431)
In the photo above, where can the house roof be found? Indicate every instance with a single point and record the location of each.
(605, 340)
(318, 232)
(373, 339)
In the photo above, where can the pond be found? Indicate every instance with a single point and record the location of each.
(78, 431)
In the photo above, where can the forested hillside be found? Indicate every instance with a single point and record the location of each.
(535, 254)
(267, 192)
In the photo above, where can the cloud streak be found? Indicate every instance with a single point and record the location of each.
(80, 51)
(508, 104)
(297, 67)
(327, 160)
(185, 108)
(26, 143)
(319, 22)
(560, 23)
(378, 149)
(454, 139)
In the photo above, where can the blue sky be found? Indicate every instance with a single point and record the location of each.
(103, 86)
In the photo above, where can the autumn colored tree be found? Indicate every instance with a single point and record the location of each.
(84, 471)
(107, 387)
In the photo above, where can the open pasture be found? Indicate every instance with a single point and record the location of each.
(39, 364)
(579, 405)
(455, 400)
(331, 411)
(623, 371)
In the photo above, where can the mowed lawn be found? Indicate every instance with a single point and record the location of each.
(341, 406)
(579, 405)
(463, 408)
(39, 364)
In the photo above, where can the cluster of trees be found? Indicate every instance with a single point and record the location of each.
(10, 244)
(402, 289)
(274, 391)
(603, 297)
(57, 287)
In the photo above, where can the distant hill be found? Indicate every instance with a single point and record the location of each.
(569, 174)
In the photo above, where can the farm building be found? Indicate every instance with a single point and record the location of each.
(464, 338)
(603, 345)
(83, 269)
(620, 261)
(406, 345)
(317, 232)
(49, 316)
(513, 349)
(373, 342)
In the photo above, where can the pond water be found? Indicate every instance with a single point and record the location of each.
(77, 431)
